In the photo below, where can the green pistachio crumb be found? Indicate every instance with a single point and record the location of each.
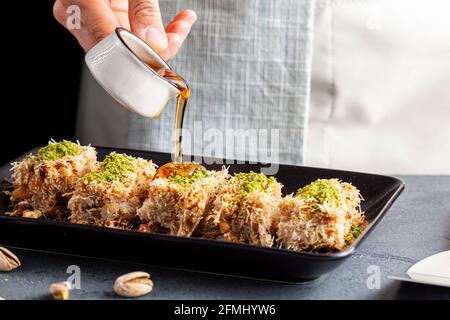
(322, 190)
(186, 181)
(114, 167)
(354, 233)
(57, 150)
(252, 181)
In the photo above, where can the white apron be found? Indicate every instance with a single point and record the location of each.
(380, 97)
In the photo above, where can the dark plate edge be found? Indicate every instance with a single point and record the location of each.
(397, 191)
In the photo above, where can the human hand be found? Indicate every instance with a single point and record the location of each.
(100, 17)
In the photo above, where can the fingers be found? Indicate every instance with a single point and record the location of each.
(145, 22)
(97, 20)
(174, 45)
(59, 12)
(186, 15)
(120, 9)
(177, 31)
(82, 35)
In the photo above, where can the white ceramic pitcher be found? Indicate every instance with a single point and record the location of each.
(120, 64)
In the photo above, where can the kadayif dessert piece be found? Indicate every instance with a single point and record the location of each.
(179, 198)
(324, 215)
(43, 183)
(247, 209)
(110, 195)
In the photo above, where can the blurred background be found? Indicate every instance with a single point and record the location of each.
(42, 74)
(378, 102)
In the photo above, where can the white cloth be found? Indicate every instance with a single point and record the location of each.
(380, 97)
(248, 66)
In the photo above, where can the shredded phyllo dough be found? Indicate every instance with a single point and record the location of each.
(177, 204)
(111, 194)
(43, 183)
(324, 215)
(64, 181)
(247, 209)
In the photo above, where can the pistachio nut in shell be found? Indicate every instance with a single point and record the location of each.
(134, 284)
(60, 290)
(8, 260)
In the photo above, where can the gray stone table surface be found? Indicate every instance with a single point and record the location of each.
(417, 226)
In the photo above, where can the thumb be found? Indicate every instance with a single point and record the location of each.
(145, 22)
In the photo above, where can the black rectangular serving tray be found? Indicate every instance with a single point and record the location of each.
(212, 256)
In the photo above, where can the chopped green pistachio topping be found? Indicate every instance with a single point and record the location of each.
(186, 181)
(322, 190)
(354, 233)
(113, 168)
(58, 150)
(253, 181)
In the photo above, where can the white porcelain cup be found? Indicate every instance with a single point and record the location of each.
(120, 64)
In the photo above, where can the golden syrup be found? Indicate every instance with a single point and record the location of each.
(177, 167)
(182, 101)
(184, 169)
(181, 104)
